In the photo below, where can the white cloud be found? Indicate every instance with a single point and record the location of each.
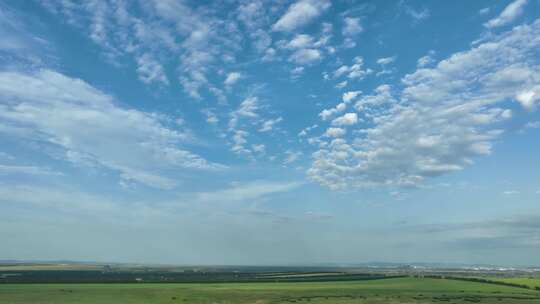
(247, 191)
(269, 55)
(247, 112)
(259, 148)
(341, 85)
(160, 30)
(341, 70)
(335, 132)
(529, 98)
(348, 119)
(251, 14)
(150, 70)
(306, 56)
(306, 130)
(327, 113)
(532, 125)
(211, 117)
(268, 125)
(440, 122)
(383, 95)
(349, 43)
(232, 78)
(509, 14)
(248, 107)
(300, 13)
(291, 156)
(425, 60)
(300, 41)
(386, 60)
(484, 11)
(354, 71)
(349, 96)
(90, 129)
(297, 71)
(511, 192)
(26, 170)
(239, 142)
(352, 26)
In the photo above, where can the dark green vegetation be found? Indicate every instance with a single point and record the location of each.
(392, 290)
(139, 274)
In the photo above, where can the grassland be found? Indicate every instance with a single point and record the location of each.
(395, 290)
(531, 282)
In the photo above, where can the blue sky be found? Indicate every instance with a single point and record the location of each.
(270, 132)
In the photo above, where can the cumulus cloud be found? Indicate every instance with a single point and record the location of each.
(350, 96)
(425, 60)
(386, 60)
(306, 56)
(251, 14)
(443, 119)
(300, 13)
(305, 48)
(353, 71)
(529, 98)
(383, 95)
(160, 30)
(90, 129)
(348, 119)
(335, 132)
(268, 125)
(351, 26)
(300, 41)
(328, 113)
(259, 148)
(232, 78)
(509, 14)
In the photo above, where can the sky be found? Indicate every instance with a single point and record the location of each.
(270, 132)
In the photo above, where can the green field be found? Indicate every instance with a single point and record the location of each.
(531, 282)
(398, 290)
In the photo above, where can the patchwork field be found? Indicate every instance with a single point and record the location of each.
(395, 290)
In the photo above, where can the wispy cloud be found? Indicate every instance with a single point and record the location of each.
(27, 170)
(247, 192)
(91, 130)
(509, 14)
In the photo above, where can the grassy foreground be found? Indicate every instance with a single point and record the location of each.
(398, 290)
